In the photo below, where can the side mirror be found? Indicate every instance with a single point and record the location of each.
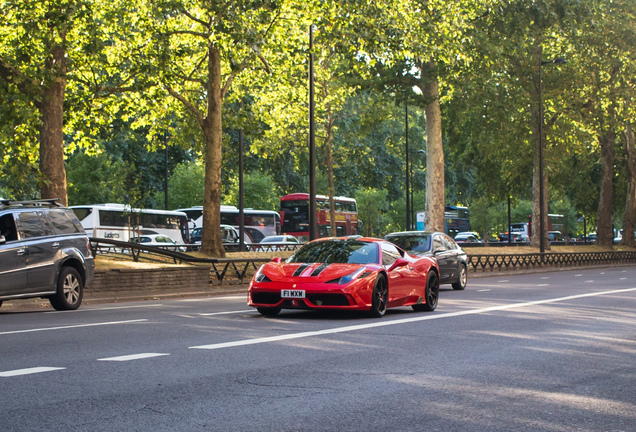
(277, 260)
(400, 262)
(2, 239)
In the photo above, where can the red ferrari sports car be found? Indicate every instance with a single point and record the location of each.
(346, 273)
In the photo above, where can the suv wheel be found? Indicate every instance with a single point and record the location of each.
(70, 290)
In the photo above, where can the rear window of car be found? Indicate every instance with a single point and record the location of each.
(416, 243)
(61, 222)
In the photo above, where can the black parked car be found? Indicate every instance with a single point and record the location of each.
(451, 258)
(44, 252)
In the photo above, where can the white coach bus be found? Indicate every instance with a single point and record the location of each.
(121, 222)
(258, 223)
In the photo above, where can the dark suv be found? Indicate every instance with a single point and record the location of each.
(44, 252)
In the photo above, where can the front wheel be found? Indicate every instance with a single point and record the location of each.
(70, 290)
(462, 279)
(268, 311)
(431, 294)
(380, 297)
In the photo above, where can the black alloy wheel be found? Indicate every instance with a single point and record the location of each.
(431, 294)
(380, 297)
(70, 290)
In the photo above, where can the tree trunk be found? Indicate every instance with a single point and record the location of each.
(52, 130)
(539, 147)
(535, 239)
(604, 233)
(211, 243)
(435, 197)
(630, 206)
(332, 204)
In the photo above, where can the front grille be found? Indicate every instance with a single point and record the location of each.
(266, 297)
(328, 299)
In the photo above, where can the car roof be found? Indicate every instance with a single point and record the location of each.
(53, 202)
(415, 233)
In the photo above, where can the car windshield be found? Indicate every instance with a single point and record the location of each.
(273, 239)
(413, 243)
(337, 251)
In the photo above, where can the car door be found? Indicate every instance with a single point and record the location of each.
(403, 280)
(13, 267)
(41, 247)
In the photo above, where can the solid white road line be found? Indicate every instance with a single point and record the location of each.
(402, 321)
(72, 326)
(227, 313)
(133, 357)
(29, 371)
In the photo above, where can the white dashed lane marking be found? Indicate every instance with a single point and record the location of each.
(72, 326)
(133, 357)
(29, 371)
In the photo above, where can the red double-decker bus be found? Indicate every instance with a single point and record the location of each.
(294, 215)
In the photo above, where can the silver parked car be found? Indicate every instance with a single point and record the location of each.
(44, 252)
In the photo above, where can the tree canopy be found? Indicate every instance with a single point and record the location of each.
(93, 92)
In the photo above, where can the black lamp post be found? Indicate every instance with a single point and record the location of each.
(541, 191)
(408, 168)
(419, 152)
(313, 223)
(240, 197)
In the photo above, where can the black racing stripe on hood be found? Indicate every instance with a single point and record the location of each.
(300, 269)
(319, 269)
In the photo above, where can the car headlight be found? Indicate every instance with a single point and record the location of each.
(351, 277)
(260, 276)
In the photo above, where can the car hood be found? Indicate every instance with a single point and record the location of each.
(311, 272)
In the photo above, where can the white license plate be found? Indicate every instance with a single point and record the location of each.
(292, 293)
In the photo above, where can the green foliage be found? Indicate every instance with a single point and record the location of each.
(185, 186)
(123, 63)
(98, 179)
(259, 192)
(372, 207)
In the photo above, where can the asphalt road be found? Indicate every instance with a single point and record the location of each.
(536, 352)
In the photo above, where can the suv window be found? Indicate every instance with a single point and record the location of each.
(7, 228)
(61, 222)
(30, 225)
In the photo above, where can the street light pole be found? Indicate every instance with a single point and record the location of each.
(240, 197)
(313, 226)
(408, 172)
